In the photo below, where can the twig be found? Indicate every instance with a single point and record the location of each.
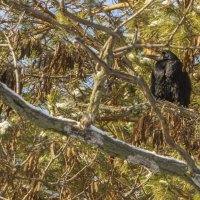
(111, 7)
(135, 14)
(42, 181)
(18, 23)
(135, 187)
(43, 173)
(80, 193)
(85, 22)
(125, 49)
(110, 71)
(3, 198)
(180, 23)
(75, 175)
(16, 69)
(50, 76)
(4, 45)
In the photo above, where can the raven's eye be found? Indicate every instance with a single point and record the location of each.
(165, 54)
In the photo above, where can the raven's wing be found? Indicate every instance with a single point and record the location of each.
(173, 69)
(152, 88)
(178, 83)
(158, 81)
(173, 74)
(186, 89)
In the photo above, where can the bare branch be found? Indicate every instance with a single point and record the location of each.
(16, 69)
(4, 45)
(148, 95)
(115, 6)
(107, 53)
(136, 13)
(95, 97)
(111, 113)
(108, 70)
(39, 15)
(180, 23)
(94, 136)
(85, 22)
(126, 49)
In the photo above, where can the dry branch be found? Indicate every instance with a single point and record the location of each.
(144, 88)
(180, 23)
(116, 6)
(73, 17)
(99, 138)
(136, 13)
(15, 67)
(45, 18)
(126, 49)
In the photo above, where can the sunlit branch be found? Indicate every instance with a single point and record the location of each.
(144, 88)
(86, 22)
(180, 23)
(128, 48)
(4, 45)
(95, 136)
(16, 69)
(136, 13)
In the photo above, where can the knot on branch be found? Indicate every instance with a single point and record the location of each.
(196, 179)
(86, 120)
(5, 128)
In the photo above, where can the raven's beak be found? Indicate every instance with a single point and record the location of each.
(155, 57)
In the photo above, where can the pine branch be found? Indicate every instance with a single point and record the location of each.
(98, 138)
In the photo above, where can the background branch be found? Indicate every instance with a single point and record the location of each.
(16, 68)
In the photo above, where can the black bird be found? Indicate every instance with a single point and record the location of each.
(168, 81)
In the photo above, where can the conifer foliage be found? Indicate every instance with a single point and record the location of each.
(79, 120)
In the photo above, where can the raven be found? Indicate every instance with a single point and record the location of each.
(168, 81)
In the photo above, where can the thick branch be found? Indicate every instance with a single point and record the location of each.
(97, 93)
(100, 78)
(127, 113)
(97, 137)
(91, 135)
(107, 52)
(109, 113)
